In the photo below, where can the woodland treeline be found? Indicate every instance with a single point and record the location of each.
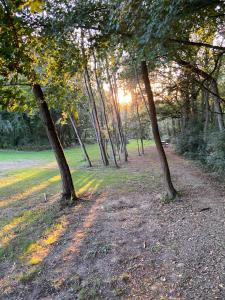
(106, 71)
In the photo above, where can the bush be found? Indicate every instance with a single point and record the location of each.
(215, 158)
(191, 143)
(33, 147)
(210, 152)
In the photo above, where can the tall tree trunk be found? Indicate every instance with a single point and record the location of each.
(138, 147)
(68, 192)
(140, 89)
(205, 96)
(140, 128)
(173, 127)
(91, 98)
(171, 192)
(123, 129)
(134, 97)
(99, 87)
(74, 124)
(186, 109)
(95, 117)
(217, 105)
(117, 114)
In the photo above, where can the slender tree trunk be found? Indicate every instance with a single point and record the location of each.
(95, 117)
(142, 146)
(123, 130)
(205, 96)
(140, 89)
(68, 192)
(140, 128)
(117, 114)
(74, 124)
(186, 109)
(168, 130)
(217, 106)
(173, 127)
(91, 98)
(102, 99)
(140, 131)
(139, 153)
(155, 130)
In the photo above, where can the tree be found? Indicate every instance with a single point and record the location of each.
(15, 30)
(76, 129)
(166, 172)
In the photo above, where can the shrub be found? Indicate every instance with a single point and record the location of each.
(215, 158)
(191, 143)
(210, 152)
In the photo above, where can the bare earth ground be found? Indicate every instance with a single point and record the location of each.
(128, 244)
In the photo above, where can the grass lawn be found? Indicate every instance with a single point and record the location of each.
(27, 218)
(18, 183)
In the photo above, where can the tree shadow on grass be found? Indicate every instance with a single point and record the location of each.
(31, 239)
(47, 183)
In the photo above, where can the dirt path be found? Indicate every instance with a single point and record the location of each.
(128, 244)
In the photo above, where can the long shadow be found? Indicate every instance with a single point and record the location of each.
(30, 187)
(21, 196)
(20, 175)
(27, 219)
(19, 230)
(29, 180)
(33, 243)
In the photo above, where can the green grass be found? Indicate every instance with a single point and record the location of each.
(73, 154)
(44, 178)
(31, 227)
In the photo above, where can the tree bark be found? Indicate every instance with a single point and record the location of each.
(74, 124)
(91, 98)
(140, 90)
(104, 111)
(95, 117)
(171, 192)
(68, 192)
(140, 128)
(139, 153)
(217, 105)
(117, 115)
(134, 97)
(205, 100)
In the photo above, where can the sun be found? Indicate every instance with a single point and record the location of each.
(124, 97)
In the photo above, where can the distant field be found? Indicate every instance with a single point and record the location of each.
(74, 155)
(25, 173)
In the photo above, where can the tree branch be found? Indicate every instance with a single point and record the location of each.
(197, 44)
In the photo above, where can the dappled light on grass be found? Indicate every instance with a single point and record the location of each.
(16, 234)
(82, 232)
(24, 175)
(91, 186)
(37, 251)
(7, 232)
(32, 190)
(32, 250)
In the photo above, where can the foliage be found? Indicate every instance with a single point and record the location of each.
(210, 151)
(24, 131)
(216, 151)
(190, 142)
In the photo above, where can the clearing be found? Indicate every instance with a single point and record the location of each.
(121, 241)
